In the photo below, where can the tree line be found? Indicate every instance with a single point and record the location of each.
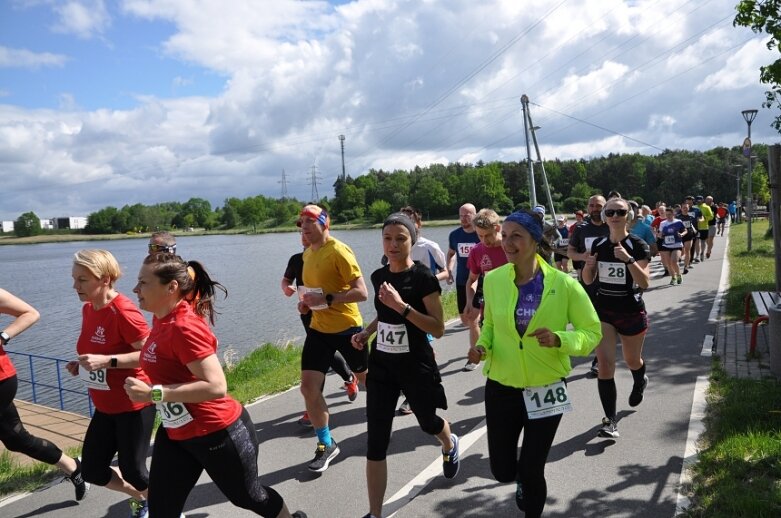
(438, 190)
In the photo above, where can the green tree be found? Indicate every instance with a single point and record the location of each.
(765, 16)
(379, 210)
(99, 222)
(430, 196)
(28, 224)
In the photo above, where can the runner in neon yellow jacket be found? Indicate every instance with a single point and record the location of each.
(563, 301)
(525, 390)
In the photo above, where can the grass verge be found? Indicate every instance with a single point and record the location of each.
(738, 472)
(17, 477)
(749, 271)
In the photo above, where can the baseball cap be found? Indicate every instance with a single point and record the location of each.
(698, 198)
(316, 213)
(561, 218)
(539, 209)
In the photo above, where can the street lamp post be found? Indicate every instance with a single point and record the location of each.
(737, 168)
(341, 140)
(749, 116)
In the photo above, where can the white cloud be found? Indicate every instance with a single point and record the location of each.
(408, 82)
(23, 58)
(84, 19)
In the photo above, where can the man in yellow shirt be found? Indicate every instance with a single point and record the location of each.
(333, 285)
(703, 222)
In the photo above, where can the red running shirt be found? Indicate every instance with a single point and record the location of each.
(176, 340)
(110, 330)
(6, 366)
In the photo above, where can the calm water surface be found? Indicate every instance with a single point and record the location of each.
(250, 267)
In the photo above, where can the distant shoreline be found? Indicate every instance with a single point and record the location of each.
(64, 238)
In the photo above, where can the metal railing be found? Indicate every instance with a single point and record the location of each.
(68, 394)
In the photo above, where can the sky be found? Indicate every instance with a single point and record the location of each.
(112, 103)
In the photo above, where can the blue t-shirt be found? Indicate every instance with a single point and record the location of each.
(644, 232)
(462, 242)
(670, 233)
(529, 297)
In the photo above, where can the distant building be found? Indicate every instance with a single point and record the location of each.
(69, 222)
(8, 226)
(47, 224)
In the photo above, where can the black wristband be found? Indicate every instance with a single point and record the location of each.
(406, 311)
(113, 362)
(631, 260)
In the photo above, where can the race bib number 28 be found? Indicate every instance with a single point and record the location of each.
(612, 273)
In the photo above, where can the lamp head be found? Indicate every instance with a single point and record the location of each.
(749, 115)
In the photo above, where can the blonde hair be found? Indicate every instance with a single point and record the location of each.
(486, 219)
(100, 263)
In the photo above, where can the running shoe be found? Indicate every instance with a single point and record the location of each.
(672, 280)
(304, 421)
(520, 501)
(404, 408)
(695, 260)
(636, 396)
(78, 482)
(594, 370)
(707, 255)
(450, 462)
(352, 388)
(299, 514)
(138, 508)
(685, 271)
(609, 428)
(323, 456)
(679, 280)
(469, 366)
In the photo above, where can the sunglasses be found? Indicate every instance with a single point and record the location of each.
(616, 212)
(162, 248)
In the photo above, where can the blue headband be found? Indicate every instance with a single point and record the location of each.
(532, 225)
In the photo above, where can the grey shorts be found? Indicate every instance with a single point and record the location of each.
(711, 230)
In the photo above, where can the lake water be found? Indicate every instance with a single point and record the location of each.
(249, 266)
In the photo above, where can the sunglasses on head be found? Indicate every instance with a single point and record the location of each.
(162, 248)
(616, 212)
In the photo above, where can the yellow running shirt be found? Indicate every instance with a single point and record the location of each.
(331, 268)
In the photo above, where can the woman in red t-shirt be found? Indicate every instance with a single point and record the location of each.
(112, 333)
(12, 433)
(202, 427)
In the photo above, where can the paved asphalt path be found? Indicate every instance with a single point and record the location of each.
(635, 475)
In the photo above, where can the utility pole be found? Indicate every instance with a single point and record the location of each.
(532, 188)
(313, 181)
(774, 170)
(344, 175)
(283, 181)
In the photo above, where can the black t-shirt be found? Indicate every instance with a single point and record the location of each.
(584, 235)
(690, 222)
(616, 289)
(295, 269)
(395, 331)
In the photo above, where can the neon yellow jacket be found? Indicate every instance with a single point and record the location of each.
(563, 301)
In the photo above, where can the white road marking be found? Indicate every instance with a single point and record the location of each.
(707, 346)
(723, 284)
(690, 455)
(405, 495)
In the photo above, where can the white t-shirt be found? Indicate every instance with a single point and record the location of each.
(427, 252)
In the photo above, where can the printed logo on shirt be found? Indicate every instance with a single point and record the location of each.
(485, 263)
(99, 337)
(149, 353)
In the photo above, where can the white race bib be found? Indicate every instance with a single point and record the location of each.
(173, 415)
(669, 240)
(588, 242)
(564, 241)
(94, 379)
(303, 289)
(392, 338)
(464, 249)
(612, 273)
(687, 224)
(547, 401)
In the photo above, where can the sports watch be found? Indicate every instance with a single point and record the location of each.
(113, 362)
(329, 299)
(157, 393)
(4, 338)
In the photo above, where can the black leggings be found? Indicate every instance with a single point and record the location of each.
(229, 456)
(505, 415)
(127, 435)
(12, 432)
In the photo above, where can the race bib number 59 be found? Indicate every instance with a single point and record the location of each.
(94, 379)
(547, 401)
